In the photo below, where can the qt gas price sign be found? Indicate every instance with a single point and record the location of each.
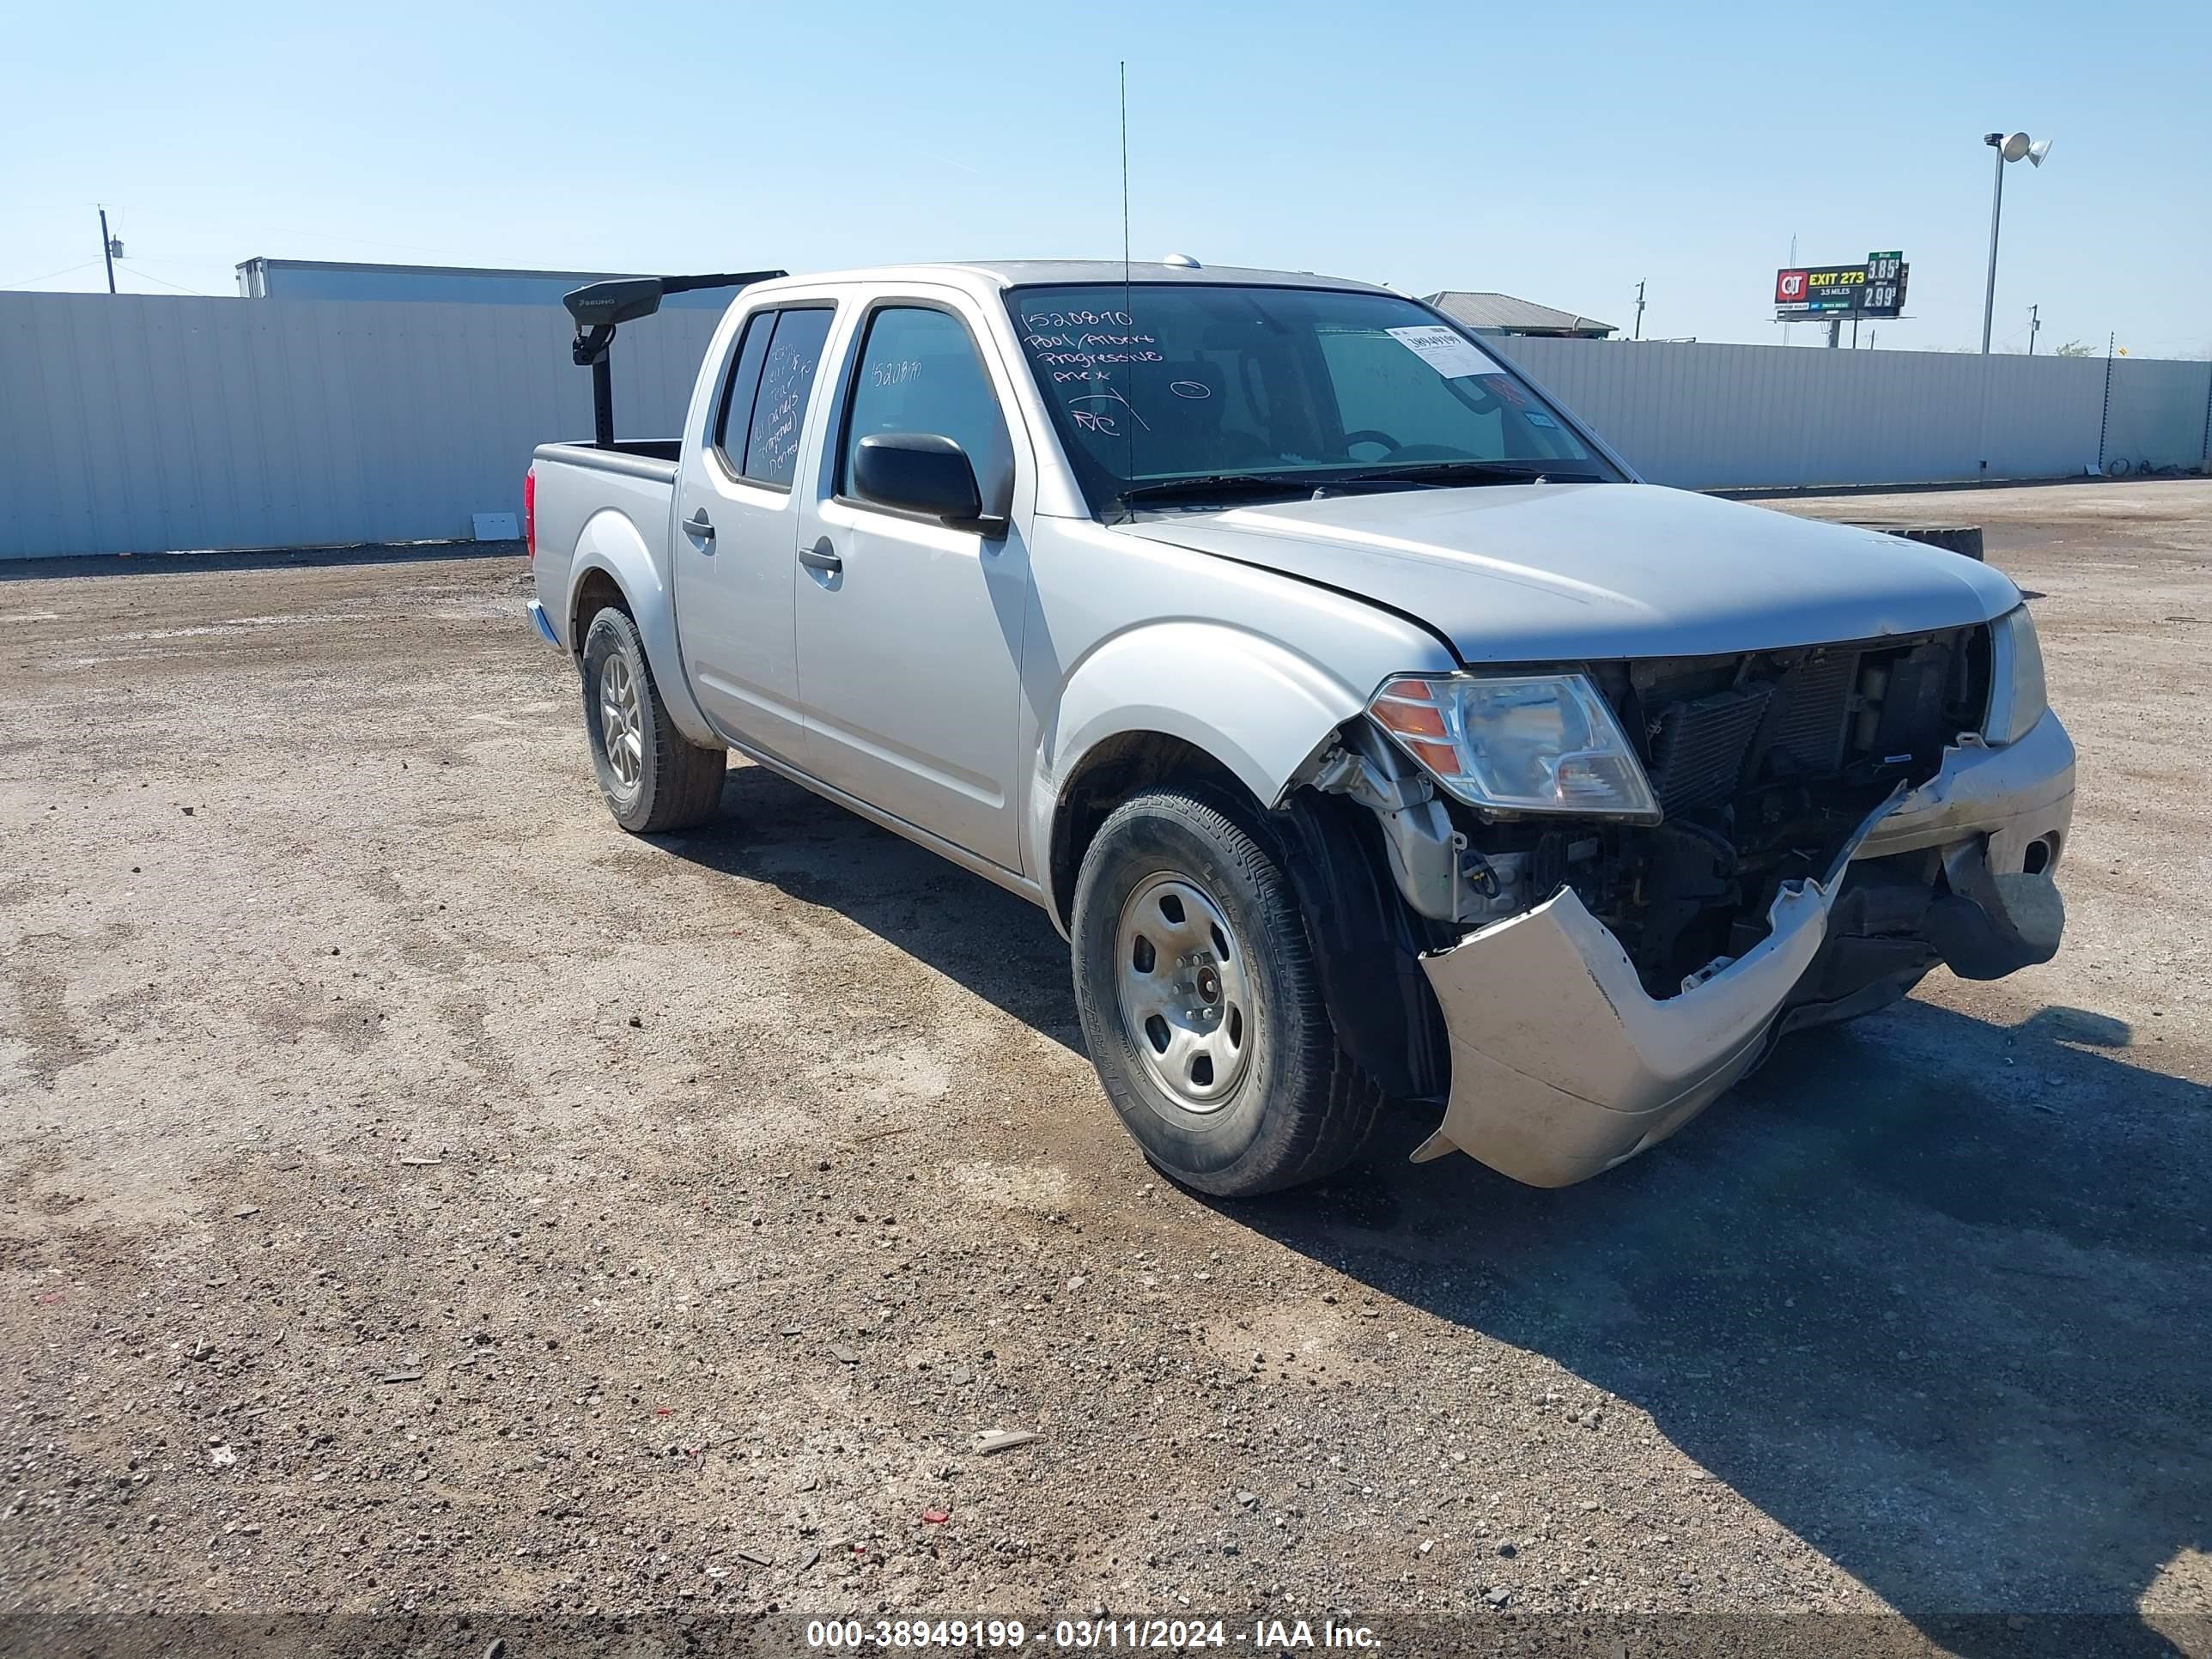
(1873, 288)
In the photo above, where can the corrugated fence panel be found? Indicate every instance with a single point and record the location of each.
(1709, 416)
(2159, 412)
(134, 424)
(130, 423)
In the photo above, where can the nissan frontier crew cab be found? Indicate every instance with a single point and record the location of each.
(1366, 726)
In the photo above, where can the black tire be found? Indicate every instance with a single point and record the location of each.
(678, 784)
(1299, 1109)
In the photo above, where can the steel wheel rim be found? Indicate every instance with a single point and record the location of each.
(1185, 997)
(621, 731)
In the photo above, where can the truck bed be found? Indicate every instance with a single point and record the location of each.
(621, 499)
(642, 449)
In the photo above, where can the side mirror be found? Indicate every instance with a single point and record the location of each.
(919, 471)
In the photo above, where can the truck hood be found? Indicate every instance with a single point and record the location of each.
(1537, 573)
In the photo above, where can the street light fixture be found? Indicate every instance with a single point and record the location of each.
(2017, 147)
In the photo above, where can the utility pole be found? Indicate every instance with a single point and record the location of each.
(109, 247)
(1639, 310)
(2034, 324)
(1793, 260)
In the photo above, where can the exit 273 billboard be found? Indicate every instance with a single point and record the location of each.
(1873, 288)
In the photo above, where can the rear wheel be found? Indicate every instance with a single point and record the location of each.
(1201, 1004)
(652, 777)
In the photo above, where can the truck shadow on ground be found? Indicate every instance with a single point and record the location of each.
(1928, 1291)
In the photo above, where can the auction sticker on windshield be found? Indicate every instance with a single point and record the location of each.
(1448, 354)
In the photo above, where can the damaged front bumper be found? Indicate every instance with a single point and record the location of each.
(1563, 1065)
(2009, 797)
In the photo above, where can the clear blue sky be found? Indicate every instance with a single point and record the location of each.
(1556, 152)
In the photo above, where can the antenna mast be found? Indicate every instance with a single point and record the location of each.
(1125, 177)
(1128, 310)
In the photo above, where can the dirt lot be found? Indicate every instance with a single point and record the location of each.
(417, 1193)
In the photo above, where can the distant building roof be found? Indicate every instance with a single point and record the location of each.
(1501, 313)
(262, 278)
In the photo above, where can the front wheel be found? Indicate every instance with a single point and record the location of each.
(652, 777)
(1201, 1004)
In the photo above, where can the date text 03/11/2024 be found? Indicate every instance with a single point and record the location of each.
(1140, 1634)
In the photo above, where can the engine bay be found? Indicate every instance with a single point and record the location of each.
(1764, 763)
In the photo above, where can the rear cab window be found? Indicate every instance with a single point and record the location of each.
(763, 405)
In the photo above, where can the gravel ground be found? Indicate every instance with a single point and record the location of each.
(415, 1193)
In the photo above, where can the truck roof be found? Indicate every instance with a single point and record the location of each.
(1022, 273)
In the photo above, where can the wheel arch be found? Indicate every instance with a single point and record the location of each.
(1182, 698)
(597, 589)
(1164, 699)
(613, 566)
(1112, 770)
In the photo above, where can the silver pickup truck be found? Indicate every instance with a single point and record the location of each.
(1367, 727)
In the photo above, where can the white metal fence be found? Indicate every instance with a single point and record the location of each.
(1709, 417)
(2161, 414)
(130, 423)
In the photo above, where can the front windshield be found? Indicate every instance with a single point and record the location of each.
(1191, 392)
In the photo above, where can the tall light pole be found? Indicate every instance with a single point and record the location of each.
(2008, 149)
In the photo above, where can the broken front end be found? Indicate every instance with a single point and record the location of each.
(1619, 883)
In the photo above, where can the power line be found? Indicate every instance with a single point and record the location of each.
(166, 282)
(63, 271)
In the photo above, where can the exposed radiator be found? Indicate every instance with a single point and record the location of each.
(1810, 717)
(1714, 726)
(1697, 746)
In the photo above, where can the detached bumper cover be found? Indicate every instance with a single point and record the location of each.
(1563, 1065)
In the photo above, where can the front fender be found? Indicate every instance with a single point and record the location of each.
(610, 544)
(1260, 709)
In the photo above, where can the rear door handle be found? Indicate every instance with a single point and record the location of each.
(699, 526)
(821, 557)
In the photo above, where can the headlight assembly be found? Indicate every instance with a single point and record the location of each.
(1533, 743)
(2017, 699)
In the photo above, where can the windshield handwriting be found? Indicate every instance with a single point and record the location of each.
(1082, 347)
(1104, 422)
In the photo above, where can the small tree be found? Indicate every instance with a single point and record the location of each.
(2075, 348)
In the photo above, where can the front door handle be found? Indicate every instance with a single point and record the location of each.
(700, 527)
(821, 557)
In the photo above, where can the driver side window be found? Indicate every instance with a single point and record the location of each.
(919, 372)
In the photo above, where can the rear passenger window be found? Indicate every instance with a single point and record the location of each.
(918, 373)
(736, 414)
(765, 405)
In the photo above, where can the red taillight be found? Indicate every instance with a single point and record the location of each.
(530, 511)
